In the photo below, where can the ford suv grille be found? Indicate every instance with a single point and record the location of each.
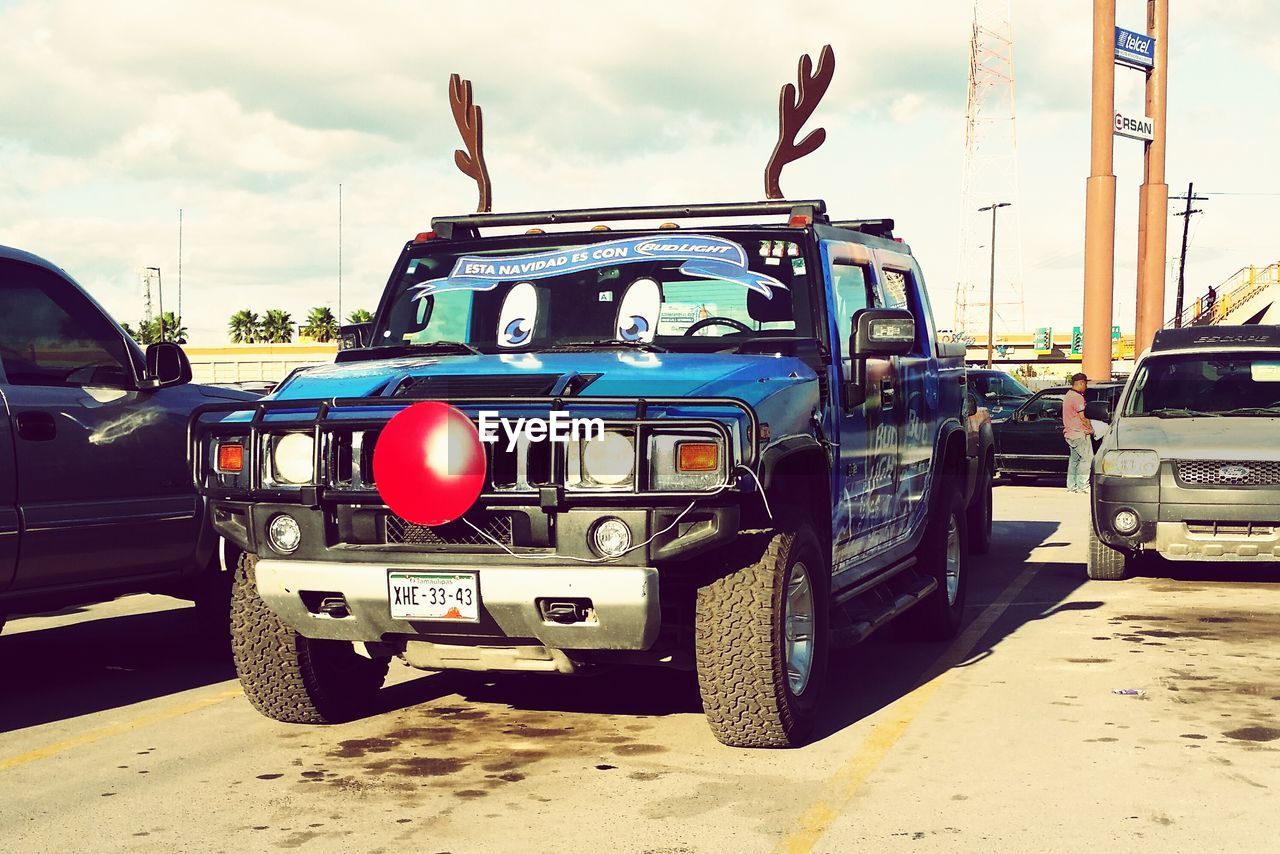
(1228, 472)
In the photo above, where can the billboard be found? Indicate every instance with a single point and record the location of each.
(1135, 128)
(1135, 50)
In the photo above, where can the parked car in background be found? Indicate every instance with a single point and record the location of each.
(1029, 442)
(97, 500)
(998, 392)
(1190, 468)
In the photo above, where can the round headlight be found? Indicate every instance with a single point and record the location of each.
(608, 460)
(291, 460)
(284, 534)
(1125, 521)
(610, 537)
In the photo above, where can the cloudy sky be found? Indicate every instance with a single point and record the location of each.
(247, 117)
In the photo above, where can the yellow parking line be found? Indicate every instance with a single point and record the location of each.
(117, 729)
(890, 725)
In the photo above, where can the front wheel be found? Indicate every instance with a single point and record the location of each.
(292, 678)
(1105, 563)
(762, 643)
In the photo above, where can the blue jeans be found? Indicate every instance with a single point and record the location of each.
(1079, 459)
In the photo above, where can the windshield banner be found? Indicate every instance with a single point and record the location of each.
(704, 257)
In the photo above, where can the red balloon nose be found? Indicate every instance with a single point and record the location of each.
(429, 464)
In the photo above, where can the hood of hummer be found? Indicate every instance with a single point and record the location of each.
(750, 378)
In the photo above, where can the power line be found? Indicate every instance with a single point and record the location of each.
(1208, 193)
(1182, 260)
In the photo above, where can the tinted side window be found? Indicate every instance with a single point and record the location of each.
(50, 335)
(852, 286)
(1047, 408)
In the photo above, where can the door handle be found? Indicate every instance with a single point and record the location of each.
(886, 392)
(36, 426)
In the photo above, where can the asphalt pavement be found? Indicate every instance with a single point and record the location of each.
(122, 728)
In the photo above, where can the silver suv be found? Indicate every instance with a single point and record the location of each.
(1190, 468)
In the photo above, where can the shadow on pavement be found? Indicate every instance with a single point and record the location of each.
(1208, 571)
(637, 691)
(871, 676)
(67, 671)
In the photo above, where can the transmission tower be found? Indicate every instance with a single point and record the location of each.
(990, 177)
(147, 315)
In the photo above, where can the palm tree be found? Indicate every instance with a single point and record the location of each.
(360, 315)
(243, 327)
(173, 329)
(276, 327)
(321, 325)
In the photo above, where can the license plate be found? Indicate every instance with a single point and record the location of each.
(452, 597)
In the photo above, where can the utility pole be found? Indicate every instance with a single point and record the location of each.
(991, 302)
(1182, 259)
(339, 255)
(160, 291)
(179, 266)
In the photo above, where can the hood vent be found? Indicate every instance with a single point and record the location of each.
(452, 387)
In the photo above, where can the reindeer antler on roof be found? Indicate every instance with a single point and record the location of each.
(794, 109)
(471, 125)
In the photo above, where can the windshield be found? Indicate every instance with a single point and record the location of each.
(683, 291)
(997, 386)
(1201, 384)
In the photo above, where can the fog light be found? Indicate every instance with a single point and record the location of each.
(1125, 521)
(284, 534)
(610, 537)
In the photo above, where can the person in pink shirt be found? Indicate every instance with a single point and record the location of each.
(1078, 432)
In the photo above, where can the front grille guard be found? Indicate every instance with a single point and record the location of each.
(323, 417)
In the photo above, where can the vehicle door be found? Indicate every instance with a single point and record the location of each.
(866, 474)
(103, 490)
(8, 494)
(918, 391)
(1032, 436)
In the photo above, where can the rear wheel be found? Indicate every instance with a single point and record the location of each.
(762, 643)
(980, 512)
(942, 555)
(292, 678)
(1105, 563)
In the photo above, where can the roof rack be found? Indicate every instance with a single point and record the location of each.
(874, 227)
(1233, 337)
(455, 227)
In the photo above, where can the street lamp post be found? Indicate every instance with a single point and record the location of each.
(160, 291)
(991, 299)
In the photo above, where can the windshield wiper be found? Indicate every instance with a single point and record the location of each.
(440, 346)
(1178, 412)
(1253, 410)
(609, 344)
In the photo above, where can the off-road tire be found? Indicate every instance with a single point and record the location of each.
(1105, 563)
(289, 677)
(741, 643)
(937, 618)
(980, 512)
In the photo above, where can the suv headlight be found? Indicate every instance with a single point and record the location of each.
(602, 462)
(292, 458)
(1130, 463)
(686, 462)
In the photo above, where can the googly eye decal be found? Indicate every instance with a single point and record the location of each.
(638, 312)
(518, 316)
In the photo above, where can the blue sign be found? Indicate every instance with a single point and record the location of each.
(704, 257)
(1135, 49)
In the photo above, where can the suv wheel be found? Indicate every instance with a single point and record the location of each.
(289, 677)
(943, 555)
(1105, 563)
(762, 643)
(980, 513)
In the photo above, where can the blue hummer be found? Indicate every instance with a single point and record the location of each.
(779, 465)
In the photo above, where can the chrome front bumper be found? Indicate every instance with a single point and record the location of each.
(624, 602)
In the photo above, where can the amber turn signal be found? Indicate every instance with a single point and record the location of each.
(230, 458)
(697, 456)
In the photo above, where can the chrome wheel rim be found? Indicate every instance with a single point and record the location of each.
(799, 628)
(953, 561)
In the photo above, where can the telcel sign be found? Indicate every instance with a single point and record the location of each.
(1135, 49)
(1135, 128)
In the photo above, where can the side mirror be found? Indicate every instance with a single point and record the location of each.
(877, 333)
(1098, 410)
(167, 364)
(353, 336)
